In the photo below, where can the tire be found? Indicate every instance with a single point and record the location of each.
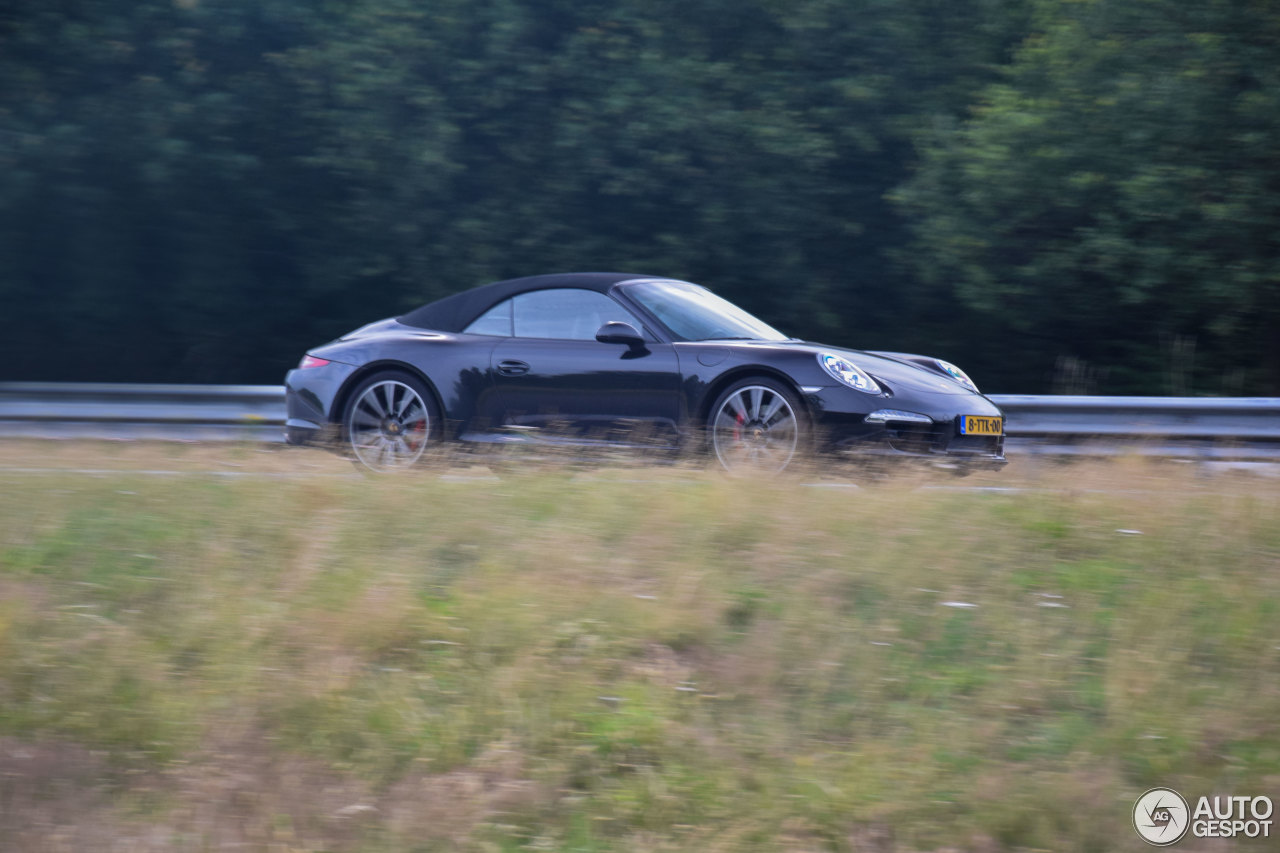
(391, 422)
(758, 426)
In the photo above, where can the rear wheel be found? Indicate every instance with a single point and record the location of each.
(757, 425)
(391, 421)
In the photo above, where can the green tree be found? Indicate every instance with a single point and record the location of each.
(152, 210)
(1115, 199)
(198, 191)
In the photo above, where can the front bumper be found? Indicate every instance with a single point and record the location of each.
(841, 427)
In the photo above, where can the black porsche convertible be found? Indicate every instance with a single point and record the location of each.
(609, 360)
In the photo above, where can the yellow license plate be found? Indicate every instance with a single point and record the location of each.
(981, 425)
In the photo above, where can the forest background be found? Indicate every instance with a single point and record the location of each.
(1060, 195)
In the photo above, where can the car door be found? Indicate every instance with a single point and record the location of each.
(556, 380)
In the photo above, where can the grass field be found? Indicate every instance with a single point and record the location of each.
(623, 660)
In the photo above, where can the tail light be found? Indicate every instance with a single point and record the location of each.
(312, 361)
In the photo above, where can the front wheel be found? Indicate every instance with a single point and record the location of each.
(390, 422)
(757, 425)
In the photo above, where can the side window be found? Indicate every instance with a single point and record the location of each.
(566, 314)
(495, 321)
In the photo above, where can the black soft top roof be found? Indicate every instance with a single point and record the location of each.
(454, 313)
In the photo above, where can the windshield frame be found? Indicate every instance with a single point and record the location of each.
(736, 323)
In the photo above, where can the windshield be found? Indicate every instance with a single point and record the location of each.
(693, 313)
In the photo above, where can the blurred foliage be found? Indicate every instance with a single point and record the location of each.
(198, 190)
(1115, 197)
(624, 660)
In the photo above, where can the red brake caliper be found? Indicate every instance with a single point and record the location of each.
(419, 433)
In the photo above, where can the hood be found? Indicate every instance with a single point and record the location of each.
(896, 370)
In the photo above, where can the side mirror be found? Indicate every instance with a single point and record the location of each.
(620, 333)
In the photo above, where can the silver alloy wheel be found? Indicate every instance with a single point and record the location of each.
(755, 429)
(389, 426)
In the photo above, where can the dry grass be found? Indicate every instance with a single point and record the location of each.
(622, 659)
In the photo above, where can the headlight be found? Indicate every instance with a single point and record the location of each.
(957, 374)
(847, 373)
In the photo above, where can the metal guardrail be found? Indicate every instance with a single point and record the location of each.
(1234, 428)
(1202, 428)
(114, 411)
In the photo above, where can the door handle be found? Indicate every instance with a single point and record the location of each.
(511, 367)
